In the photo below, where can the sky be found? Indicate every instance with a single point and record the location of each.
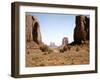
(54, 27)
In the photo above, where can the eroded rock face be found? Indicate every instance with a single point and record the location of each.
(87, 27)
(65, 41)
(81, 31)
(33, 29)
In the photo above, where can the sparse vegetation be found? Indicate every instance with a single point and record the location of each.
(69, 47)
(50, 51)
(77, 49)
(34, 58)
(44, 48)
(65, 48)
(61, 50)
(45, 53)
(42, 64)
(28, 52)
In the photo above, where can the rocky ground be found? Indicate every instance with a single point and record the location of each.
(74, 55)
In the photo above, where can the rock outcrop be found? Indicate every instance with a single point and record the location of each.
(33, 29)
(81, 31)
(65, 41)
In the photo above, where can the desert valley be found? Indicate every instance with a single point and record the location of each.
(40, 54)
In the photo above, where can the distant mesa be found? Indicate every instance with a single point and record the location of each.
(33, 32)
(81, 31)
(52, 45)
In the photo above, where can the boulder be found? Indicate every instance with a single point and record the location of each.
(33, 29)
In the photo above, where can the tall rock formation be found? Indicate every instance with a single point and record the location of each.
(33, 29)
(81, 31)
(65, 41)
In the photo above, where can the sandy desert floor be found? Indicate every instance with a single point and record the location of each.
(77, 54)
